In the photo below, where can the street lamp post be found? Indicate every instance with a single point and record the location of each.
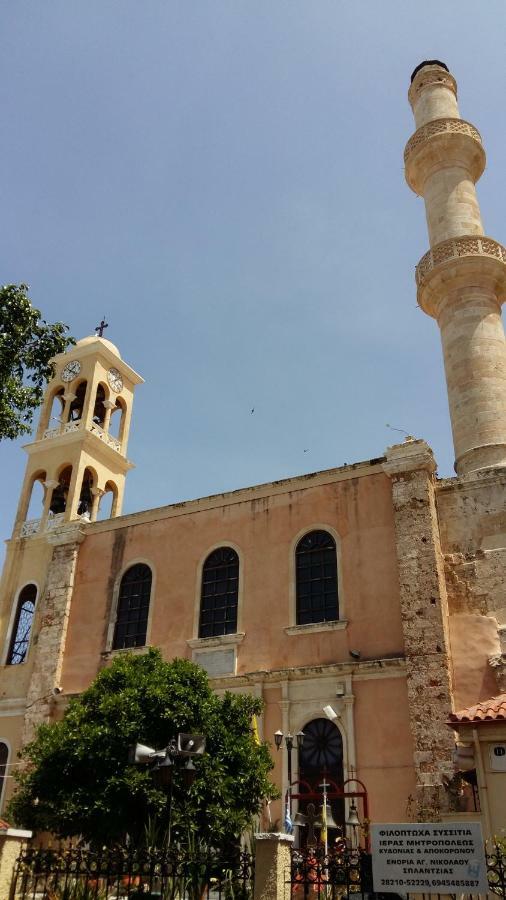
(289, 740)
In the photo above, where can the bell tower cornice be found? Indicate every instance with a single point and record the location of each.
(95, 346)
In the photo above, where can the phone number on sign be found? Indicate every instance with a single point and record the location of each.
(424, 882)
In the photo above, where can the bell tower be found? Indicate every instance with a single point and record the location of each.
(77, 462)
(79, 452)
(461, 281)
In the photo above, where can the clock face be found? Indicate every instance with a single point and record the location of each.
(115, 380)
(71, 370)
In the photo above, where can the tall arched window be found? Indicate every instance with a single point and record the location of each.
(133, 608)
(316, 577)
(4, 756)
(22, 626)
(220, 590)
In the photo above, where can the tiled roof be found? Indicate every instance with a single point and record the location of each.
(493, 710)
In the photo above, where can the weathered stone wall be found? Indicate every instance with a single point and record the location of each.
(472, 517)
(49, 643)
(424, 616)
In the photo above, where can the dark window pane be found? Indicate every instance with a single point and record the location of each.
(316, 577)
(22, 626)
(133, 608)
(220, 579)
(4, 756)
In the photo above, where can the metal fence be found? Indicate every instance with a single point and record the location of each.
(339, 872)
(344, 872)
(78, 873)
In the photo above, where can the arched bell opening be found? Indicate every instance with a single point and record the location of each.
(321, 758)
(59, 496)
(118, 418)
(54, 416)
(77, 404)
(35, 499)
(99, 409)
(85, 504)
(108, 502)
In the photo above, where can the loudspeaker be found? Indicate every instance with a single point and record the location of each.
(139, 753)
(191, 744)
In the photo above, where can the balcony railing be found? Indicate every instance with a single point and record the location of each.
(31, 526)
(61, 429)
(104, 436)
(34, 526)
(99, 432)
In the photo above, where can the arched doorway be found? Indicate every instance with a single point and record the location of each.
(321, 756)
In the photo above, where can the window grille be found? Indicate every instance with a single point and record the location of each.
(133, 608)
(316, 574)
(220, 590)
(22, 626)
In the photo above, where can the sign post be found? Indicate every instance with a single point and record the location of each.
(440, 858)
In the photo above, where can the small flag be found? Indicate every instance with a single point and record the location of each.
(288, 818)
(254, 726)
(323, 832)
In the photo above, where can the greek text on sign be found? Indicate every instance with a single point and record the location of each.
(429, 858)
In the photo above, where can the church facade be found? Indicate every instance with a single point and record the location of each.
(365, 604)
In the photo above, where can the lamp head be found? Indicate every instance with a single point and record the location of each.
(299, 738)
(278, 738)
(189, 773)
(162, 772)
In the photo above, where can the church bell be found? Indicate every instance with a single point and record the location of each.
(331, 823)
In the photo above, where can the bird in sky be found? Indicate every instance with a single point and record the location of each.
(306, 451)
(253, 410)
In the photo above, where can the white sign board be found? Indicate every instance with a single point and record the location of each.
(429, 858)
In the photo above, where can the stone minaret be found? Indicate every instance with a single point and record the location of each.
(461, 281)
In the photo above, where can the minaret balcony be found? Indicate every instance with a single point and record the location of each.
(439, 144)
(459, 262)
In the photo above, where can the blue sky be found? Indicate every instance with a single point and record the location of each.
(224, 180)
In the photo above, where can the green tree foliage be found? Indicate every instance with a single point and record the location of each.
(27, 343)
(78, 780)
